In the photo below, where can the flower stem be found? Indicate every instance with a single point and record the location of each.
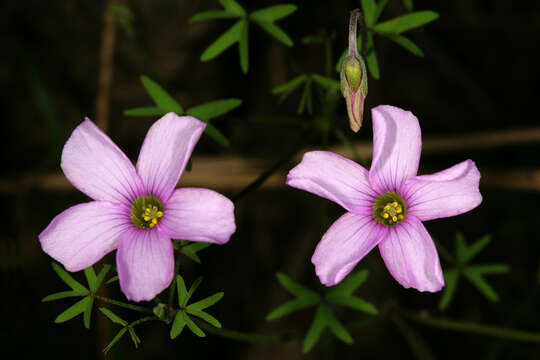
(248, 337)
(475, 328)
(172, 289)
(123, 304)
(353, 21)
(142, 320)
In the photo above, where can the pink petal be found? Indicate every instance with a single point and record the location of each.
(145, 262)
(335, 178)
(97, 167)
(397, 145)
(411, 257)
(447, 193)
(166, 151)
(345, 243)
(81, 235)
(198, 215)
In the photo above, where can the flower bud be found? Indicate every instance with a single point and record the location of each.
(354, 88)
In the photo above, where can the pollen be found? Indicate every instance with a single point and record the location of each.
(146, 212)
(389, 209)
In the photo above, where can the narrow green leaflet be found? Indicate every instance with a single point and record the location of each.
(216, 135)
(124, 16)
(408, 4)
(324, 317)
(349, 284)
(226, 40)
(192, 289)
(113, 317)
(488, 269)
(342, 294)
(381, 4)
(69, 280)
(475, 249)
(178, 324)
(91, 278)
(233, 7)
(288, 87)
(405, 43)
(113, 279)
(114, 340)
(290, 307)
(481, 284)
(354, 303)
(326, 82)
(191, 250)
(451, 278)
(205, 316)
(335, 326)
(212, 14)
(206, 302)
(295, 288)
(88, 312)
(371, 58)
(101, 276)
(276, 32)
(60, 295)
(162, 99)
(406, 22)
(192, 326)
(273, 13)
(74, 310)
(213, 109)
(134, 337)
(145, 111)
(243, 47)
(306, 100)
(369, 10)
(182, 291)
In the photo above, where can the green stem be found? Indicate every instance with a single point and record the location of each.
(173, 285)
(142, 320)
(474, 328)
(123, 304)
(248, 337)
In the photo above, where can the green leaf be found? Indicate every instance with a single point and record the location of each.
(206, 302)
(481, 284)
(226, 40)
(290, 86)
(145, 111)
(206, 317)
(276, 32)
(70, 281)
(451, 278)
(371, 58)
(406, 43)
(88, 312)
(353, 302)
(350, 284)
(315, 330)
(178, 324)
(91, 278)
(273, 13)
(290, 307)
(461, 248)
(162, 99)
(182, 291)
(408, 4)
(74, 310)
(233, 7)
(134, 337)
(192, 326)
(60, 295)
(114, 340)
(406, 22)
(192, 289)
(216, 135)
(213, 109)
(113, 279)
(335, 326)
(305, 100)
(124, 16)
(297, 289)
(113, 317)
(381, 4)
(243, 47)
(369, 9)
(212, 14)
(475, 248)
(488, 269)
(104, 270)
(326, 82)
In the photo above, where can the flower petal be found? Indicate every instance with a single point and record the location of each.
(81, 235)
(410, 256)
(166, 151)
(345, 243)
(335, 178)
(449, 192)
(145, 261)
(397, 144)
(97, 167)
(198, 215)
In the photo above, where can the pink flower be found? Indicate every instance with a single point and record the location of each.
(136, 211)
(387, 204)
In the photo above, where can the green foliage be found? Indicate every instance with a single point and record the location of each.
(304, 298)
(239, 32)
(390, 29)
(165, 103)
(182, 318)
(474, 273)
(125, 327)
(192, 249)
(324, 318)
(124, 16)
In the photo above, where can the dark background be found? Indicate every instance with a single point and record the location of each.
(480, 73)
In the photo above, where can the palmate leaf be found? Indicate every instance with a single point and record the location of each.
(288, 87)
(69, 280)
(405, 43)
(232, 7)
(192, 289)
(451, 278)
(290, 307)
(306, 100)
(342, 294)
(406, 22)
(222, 43)
(324, 318)
(212, 14)
(206, 302)
(276, 32)
(475, 249)
(481, 284)
(350, 284)
(369, 10)
(182, 291)
(191, 250)
(326, 82)
(192, 326)
(205, 316)
(178, 324)
(273, 13)
(74, 310)
(297, 289)
(213, 109)
(354, 303)
(94, 281)
(162, 99)
(60, 295)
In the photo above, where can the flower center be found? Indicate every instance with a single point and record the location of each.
(389, 209)
(146, 211)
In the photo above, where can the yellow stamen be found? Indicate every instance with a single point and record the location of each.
(400, 217)
(385, 215)
(146, 218)
(387, 207)
(152, 225)
(395, 204)
(394, 218)
(160, 214)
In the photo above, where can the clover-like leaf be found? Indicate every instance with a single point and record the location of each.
(225, 41)
(304, 298)
(178, 324)
(451, 278)
(74, 310)
(206, 302)
(213, 109)
(162, 99)
(295, 288)
(191, 250)
(69, 280)
(276, 32)
(324, 318)
(342, 294)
